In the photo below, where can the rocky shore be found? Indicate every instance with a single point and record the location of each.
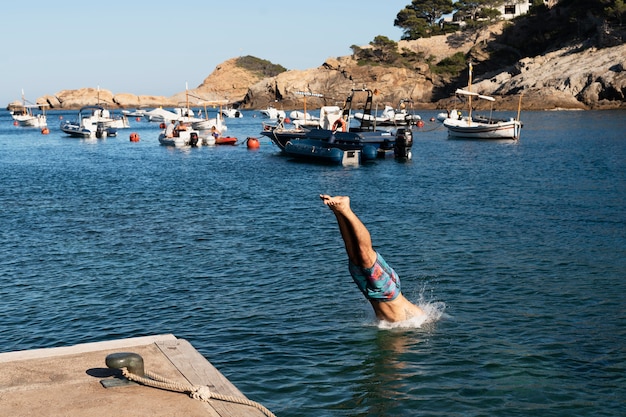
(569, 78)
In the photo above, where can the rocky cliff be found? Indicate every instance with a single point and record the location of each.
(570, 78)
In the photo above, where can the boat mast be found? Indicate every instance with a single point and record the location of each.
(304, 94)
(469, 88)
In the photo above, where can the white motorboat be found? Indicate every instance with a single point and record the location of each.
(272, 112)
(231, 112)
(389, 117)
(185, 138)
(160, 115)
(134, 113)
(92, 122)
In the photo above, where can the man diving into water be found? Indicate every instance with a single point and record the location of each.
(378, 282)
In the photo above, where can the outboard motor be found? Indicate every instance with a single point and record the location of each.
(193, 139)
(404, 142)
(100, 131)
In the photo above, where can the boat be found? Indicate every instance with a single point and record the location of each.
(92, 122)
(225, 140)
(318, 151)
(25, 116)
(481, 127)
(231, 112)
(279, 134)
(208, 123)
(390, 117)
(134, 113)
(272, 112)
(160, 115)
(334, 132)
(184, 138)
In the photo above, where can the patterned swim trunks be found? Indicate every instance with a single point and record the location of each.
(380, 282)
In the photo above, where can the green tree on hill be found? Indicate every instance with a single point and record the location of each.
(420, 19)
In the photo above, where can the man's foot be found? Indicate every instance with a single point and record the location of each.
(338, 204)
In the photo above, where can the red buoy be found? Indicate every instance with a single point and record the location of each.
(420, 123)
(137, 119)
(134, 137)
(45, 131)
(15, 123)
(253, 143)
(162, 125)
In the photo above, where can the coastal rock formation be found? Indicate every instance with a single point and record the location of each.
(334, 80)
(75, 99)
(569, 78)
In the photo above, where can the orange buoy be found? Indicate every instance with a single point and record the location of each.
(134, 137)
(420, 123)
(253, 143)
(15, 123)
(287, 120)
(162, 125)
(137, 119)
(45, 131)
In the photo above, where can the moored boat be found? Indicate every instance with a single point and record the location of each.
(182, 139)
(92, 122)
(272, 112)
(481, 127)
(25, 116)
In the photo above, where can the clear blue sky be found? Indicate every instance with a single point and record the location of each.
(155, 47)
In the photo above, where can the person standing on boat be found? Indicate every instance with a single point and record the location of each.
(169, 130)
(378, 282)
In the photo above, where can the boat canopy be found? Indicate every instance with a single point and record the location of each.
(469, 93)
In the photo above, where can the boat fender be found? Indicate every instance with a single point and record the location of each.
(134, 137)
(340, 123)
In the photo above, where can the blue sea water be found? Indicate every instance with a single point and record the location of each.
(516, 249)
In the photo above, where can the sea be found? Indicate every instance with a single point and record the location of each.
(515, 249)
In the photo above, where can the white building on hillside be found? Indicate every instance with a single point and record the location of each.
(508, 10)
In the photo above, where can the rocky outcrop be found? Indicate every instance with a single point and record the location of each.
(568, 78)
(75, 99)
(334, 80)
(571, 78)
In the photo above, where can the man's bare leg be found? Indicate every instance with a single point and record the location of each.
(355, 235)
(358, 242)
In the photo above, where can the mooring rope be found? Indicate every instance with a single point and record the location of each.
(198, 392)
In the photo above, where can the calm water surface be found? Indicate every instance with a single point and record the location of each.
(517, 250)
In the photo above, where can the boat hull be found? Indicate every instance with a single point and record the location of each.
(500, 130)
(317, 151)
(31, 121)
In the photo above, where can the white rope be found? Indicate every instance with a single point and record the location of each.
(197, 392)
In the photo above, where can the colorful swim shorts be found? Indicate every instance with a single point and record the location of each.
(380, 282)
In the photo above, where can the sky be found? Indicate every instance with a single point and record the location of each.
(160, 47)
